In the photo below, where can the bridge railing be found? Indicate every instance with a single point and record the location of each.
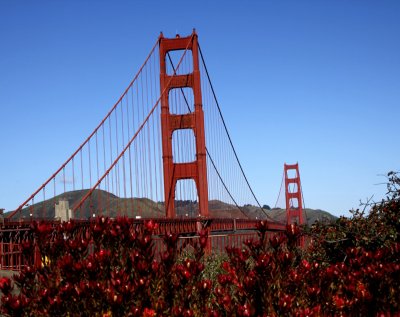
(12, 243)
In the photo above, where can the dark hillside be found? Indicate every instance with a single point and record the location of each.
(147, 208)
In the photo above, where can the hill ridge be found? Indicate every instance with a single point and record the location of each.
(148, 208)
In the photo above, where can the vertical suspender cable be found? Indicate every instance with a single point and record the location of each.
(226, 129)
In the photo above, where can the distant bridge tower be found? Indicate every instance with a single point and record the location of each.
(293, 195)
(197, 169)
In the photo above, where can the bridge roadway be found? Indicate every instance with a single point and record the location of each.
(182, 226)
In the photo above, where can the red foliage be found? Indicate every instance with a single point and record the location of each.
(349, 268)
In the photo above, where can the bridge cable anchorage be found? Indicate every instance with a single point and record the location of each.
(229, 137)
(208, 153)
(140, 128)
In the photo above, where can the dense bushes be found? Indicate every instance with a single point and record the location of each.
(349, 268)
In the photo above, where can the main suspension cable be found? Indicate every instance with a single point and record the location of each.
(229, 137)
(280, 190)
(208, 153)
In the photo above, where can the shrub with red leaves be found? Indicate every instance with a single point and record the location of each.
(349, 268)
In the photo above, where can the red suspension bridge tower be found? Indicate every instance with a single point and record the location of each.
(293, 195)
(197, 169)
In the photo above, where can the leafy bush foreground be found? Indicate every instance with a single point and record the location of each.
(348, 268)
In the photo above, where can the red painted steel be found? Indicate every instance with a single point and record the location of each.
(11, 242)
(165, 225)
(197, 169)
(294, 201)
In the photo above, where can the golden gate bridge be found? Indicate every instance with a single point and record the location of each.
(164, 152)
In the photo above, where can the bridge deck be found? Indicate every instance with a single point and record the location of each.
(222, 233)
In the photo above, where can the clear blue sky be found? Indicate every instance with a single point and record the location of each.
(314, 82)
